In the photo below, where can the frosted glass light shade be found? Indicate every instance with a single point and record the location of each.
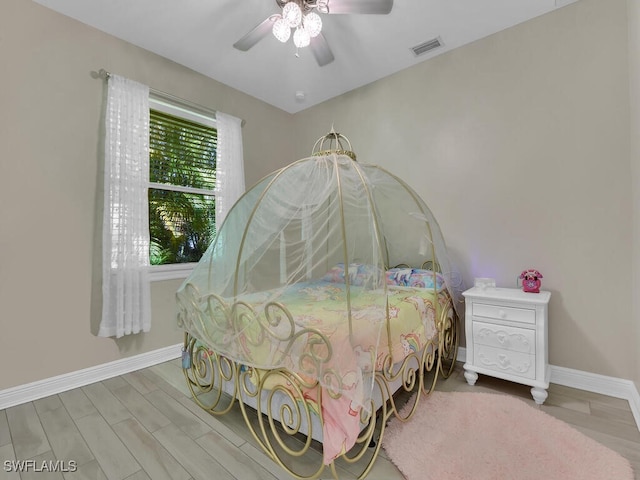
(312, 24)
(301, 38)
(281, 30)
(292, 14)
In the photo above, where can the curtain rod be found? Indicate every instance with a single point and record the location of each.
(103, 74)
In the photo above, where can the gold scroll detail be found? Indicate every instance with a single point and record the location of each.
(282, 423)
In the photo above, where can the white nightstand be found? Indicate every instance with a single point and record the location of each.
(507, 337)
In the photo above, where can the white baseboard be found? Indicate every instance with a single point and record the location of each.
(590, 382)
(61, 383)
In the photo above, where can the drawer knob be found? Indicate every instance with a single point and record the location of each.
(502, 314)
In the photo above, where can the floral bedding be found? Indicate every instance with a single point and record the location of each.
(412, 315)
(321, 305)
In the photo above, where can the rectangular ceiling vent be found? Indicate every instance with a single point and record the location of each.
(426, 46)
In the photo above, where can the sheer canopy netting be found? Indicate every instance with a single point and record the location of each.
(324, 220)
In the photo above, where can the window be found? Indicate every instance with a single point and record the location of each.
(182, 164)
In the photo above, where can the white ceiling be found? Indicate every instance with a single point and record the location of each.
(199, 34)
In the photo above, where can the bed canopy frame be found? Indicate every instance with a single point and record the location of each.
(247, 339)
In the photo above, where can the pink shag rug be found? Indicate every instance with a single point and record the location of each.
(484, 436)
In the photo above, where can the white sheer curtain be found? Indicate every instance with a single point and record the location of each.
(229, 164)
(126, 306)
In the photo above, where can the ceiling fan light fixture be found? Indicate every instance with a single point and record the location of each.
(302, 17)
(301, 38)
(292, 14)
(312, 23)
(306, 26)
(281, 30)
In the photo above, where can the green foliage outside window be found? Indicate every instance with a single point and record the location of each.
(182, 209)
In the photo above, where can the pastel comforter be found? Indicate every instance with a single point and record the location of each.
(321, 305)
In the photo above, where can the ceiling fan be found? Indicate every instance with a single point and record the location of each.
(301, 16)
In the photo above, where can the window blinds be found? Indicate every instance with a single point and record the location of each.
(182, 153)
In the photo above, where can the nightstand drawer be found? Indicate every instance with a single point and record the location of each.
(523, 315)
(505, 361)
(508, 338)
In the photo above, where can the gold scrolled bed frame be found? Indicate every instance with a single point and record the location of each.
(284, 430)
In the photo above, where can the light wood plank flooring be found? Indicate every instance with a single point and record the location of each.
(144, 425)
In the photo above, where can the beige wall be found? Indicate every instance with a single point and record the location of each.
(519, 143)
(633, 16)
(50, 111)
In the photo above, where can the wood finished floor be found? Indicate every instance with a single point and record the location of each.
(143, 425)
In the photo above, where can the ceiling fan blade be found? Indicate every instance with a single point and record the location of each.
(256, 34)
(378, 7)
(321, 50)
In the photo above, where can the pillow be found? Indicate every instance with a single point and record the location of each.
(335, 274)
(413, 277)
(399, 276)
(369, 276)
(424, 279)
(359, 274)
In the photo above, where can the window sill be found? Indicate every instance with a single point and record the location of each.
(178, 271)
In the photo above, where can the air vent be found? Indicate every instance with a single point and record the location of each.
(426, 46)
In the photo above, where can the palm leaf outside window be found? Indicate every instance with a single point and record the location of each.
(181, 194)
